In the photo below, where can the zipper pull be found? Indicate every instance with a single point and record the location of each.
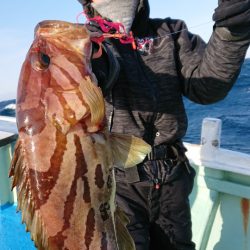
(157, 183)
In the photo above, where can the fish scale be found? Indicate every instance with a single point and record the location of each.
(64, 157)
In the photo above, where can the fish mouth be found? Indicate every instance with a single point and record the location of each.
(55, 27)
(70, 35)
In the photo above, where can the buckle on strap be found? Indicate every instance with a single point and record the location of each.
(175, 151)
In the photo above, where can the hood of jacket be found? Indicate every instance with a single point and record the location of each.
(140, 24)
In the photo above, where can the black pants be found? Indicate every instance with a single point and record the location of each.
(159, 213)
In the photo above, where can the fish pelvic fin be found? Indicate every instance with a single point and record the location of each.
(124, 239)
(128, 150)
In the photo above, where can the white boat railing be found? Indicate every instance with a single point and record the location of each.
(8, 119)
(7, 142)
(209, 153)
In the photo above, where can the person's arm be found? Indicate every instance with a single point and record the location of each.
(209, 71)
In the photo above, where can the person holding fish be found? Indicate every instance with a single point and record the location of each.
(144, 75)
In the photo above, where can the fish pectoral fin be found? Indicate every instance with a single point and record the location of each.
(92, 95)
(122, 216)
(124, 239)
(128, 150)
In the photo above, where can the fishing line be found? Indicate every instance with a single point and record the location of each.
(186, 29)
(82, 13)
(141, 43)
(158, 37)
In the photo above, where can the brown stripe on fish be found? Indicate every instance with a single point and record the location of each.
(74, 84)
(64, 79)
(99, 181)
(43, 182)
(73, 100)
(77, 69)
(73, 81)
(80, 171)
(82, 165)
(68, 80)
(105, 211)
(86, 193)
(64, 66)
(57, 242)
(68, 113)
(110, 180)
(90, 228)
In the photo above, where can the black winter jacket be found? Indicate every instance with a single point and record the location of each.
(146, 100)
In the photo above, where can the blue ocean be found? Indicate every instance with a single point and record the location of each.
(234, 111)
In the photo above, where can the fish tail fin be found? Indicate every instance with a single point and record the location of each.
(128, 150)
(124, 239)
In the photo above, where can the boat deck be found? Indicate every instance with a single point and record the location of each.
(12, 232)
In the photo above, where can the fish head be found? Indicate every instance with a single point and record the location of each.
(56, 84)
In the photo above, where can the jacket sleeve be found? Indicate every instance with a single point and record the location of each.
(208, 71)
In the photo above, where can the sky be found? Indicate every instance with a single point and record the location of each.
(19, 18)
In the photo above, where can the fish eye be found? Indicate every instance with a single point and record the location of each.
(45, 60)
(40, 61)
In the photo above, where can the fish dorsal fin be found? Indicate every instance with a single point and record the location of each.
(124, 239)
(128, 150)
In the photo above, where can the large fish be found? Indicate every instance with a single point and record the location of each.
(64, 157)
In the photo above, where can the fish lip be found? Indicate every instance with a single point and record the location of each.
(53, 27)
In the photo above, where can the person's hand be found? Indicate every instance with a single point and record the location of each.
(232, 14)
(94, 29)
